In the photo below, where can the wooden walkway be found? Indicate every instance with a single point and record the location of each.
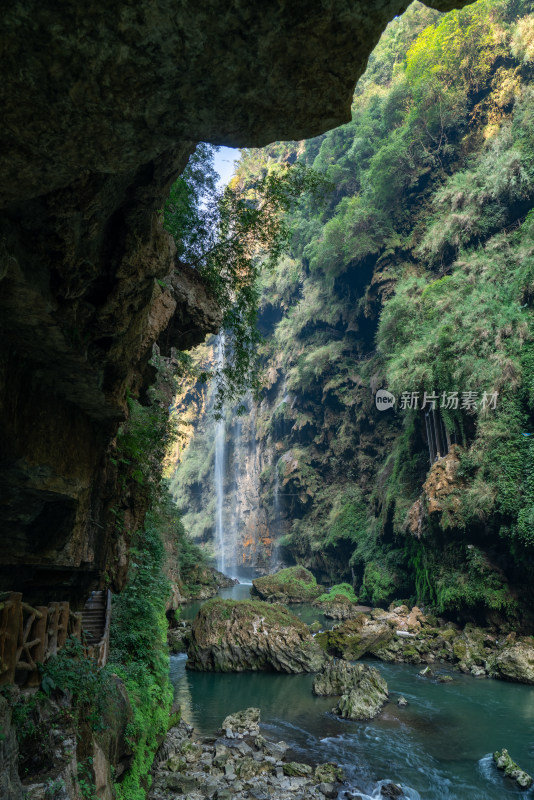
(30, 636)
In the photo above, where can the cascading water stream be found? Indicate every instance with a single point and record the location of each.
(219, 469)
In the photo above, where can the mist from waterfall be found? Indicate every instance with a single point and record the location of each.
(220, 444)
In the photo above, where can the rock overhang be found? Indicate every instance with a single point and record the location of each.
(103, 88)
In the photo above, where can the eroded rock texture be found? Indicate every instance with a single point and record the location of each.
(241, 636)
(101, 106)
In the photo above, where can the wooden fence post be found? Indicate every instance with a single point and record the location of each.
(39, 634)
(10, 633)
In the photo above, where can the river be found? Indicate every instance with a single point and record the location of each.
(438, 747)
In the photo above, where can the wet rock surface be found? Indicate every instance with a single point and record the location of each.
(246, 766)
(504, 761)
(234, 636)
(362, 690)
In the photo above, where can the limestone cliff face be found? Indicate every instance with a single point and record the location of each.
(101, 107)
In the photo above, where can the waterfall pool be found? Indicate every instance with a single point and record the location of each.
(438, 748)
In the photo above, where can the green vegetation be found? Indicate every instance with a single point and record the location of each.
(139, 652)
(229, 236)
(340, 590)
(89, 688)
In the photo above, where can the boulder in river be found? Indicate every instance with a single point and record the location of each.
(291, 585)
(242, 723)
(504, 761)
(514, 662)
(236, 636)
(362, 689)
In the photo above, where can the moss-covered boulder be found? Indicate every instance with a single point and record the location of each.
(362, 689)
(236, 636)
(504, 761)
(291, 585)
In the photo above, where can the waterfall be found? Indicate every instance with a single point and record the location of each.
(220, 444)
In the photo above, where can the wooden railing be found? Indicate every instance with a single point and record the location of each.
(30, 636)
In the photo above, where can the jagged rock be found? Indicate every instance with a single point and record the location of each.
(291, 585)
(127, 86)
(363, 690)
(402, 702)
(250, 768)
(511, 770)
(202, 583)
(245, 722)
(439, 490)
(426, 673)
(233, 636)
(515, 662)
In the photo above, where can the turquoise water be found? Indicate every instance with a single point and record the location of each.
(438, 748)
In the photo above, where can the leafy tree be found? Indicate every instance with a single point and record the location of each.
(229, 236)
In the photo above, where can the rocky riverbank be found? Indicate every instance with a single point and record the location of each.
(238, 764)
(408, 635)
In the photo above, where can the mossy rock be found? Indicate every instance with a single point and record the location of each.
(291, 585)
(504, 761)
(295, 770)
(249, 635)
